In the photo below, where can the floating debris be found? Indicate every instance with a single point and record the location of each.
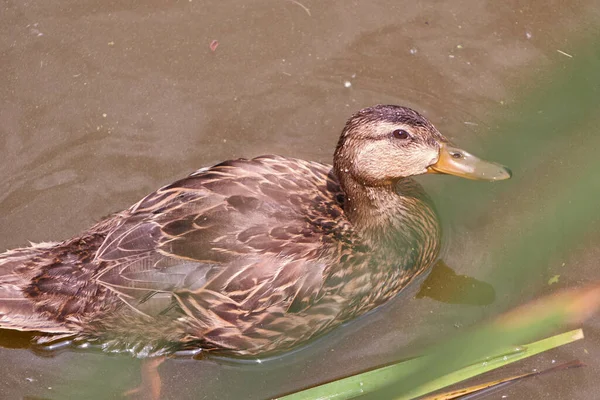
(347, 84)
(553, 280)
(564, 54)
(213, 45)
(34, 30)
(301, 5)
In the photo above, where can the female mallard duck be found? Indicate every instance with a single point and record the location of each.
(247, 256)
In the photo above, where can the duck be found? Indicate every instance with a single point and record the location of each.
(250, 256)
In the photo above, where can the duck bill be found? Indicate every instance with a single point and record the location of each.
(455, 161)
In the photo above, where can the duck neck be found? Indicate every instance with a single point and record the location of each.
(368, 206)
(400, 209)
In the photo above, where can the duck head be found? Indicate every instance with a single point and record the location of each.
(385, 143)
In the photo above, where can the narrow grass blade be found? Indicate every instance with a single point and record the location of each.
(370, 381)
(494, 363)
(476, 389)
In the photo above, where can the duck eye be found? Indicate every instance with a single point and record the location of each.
(401, 134)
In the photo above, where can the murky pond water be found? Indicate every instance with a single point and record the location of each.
(105, 101)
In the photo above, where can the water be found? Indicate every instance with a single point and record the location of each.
(103, 102)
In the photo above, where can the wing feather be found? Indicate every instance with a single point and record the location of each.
(215, 242)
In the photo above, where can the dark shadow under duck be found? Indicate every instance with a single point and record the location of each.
(248, 256)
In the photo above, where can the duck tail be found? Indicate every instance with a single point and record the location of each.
(17, 310)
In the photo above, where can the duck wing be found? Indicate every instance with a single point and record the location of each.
(226, 243)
